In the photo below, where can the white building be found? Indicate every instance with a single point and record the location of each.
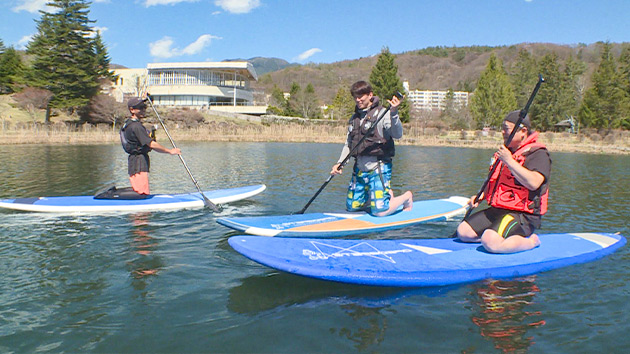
(435, 100)
(218, 86)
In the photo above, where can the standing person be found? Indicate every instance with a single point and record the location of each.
(137, 142)
(517, 193)
(369, 187)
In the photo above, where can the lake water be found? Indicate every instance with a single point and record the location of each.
(169, 281)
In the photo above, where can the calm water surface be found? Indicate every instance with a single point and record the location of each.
(169, 281)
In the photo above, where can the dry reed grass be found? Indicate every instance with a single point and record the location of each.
(617, 143)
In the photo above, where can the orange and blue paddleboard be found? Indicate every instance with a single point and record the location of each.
(346, 223)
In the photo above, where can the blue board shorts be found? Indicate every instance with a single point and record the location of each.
(370, 190)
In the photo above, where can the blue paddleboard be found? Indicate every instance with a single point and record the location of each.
(153, 202)
(419, 262)
(346, 223)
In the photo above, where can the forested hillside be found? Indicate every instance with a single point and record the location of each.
(438, 68)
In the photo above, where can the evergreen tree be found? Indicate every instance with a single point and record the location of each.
(279, 102)
(602, 106)
(550, 104)
(102, 59)
(494, 96)
(448, 114)
(67, 60)
(624, 72)
(385, 81)
(11, 70)
(306, 102)
(574, 70)
(524, 76)
(343, 105)
(291, 109)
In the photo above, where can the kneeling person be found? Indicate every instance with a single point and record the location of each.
(517, 193)
(369, 187)
(137, 142)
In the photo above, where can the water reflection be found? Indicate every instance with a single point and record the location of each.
(262, 293)
(145, 263)
(503, 312)
(370, 326)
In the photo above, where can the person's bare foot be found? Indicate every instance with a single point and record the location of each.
(408, 205)
(535, 240)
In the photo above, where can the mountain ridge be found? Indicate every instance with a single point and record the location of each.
(432, 68)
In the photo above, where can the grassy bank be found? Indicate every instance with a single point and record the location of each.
(20, 127)
(225, 130)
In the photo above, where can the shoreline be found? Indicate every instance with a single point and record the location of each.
(304, 133)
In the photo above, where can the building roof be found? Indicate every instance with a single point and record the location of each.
(242, 67)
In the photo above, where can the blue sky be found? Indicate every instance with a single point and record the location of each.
(138, 32)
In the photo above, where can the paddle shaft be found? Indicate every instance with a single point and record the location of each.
(345, 160)
(521, 116)
(206, 201)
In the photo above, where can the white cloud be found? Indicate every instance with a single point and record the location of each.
(309, 53)
(237, 6)
(32, 6)
(148, 3)
(198, 45)
(163, 48)
(24, 41)
(96, 30)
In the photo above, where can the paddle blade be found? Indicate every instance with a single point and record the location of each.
(210, 205)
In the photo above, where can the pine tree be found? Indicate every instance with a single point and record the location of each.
(291, 108)
(549, 106)
(524, 76)
(102, 59)
(306, 102)
(342, 106)
(602, 106)
(574, 85)
(624, 73)
(67, 60)
(494, 96)
(11, 70)
(279, 102)
(385, 81)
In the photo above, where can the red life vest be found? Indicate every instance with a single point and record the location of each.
(506, 193)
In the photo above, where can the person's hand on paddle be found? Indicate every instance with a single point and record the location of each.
(505, 155)
(394, 103)
(160, 148)
(472, 203)
(336, 169)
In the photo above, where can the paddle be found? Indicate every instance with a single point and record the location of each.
(521, 116)
(345, 160)
(206, 202)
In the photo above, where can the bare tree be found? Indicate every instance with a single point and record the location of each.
(33, 99)
(104, 109)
